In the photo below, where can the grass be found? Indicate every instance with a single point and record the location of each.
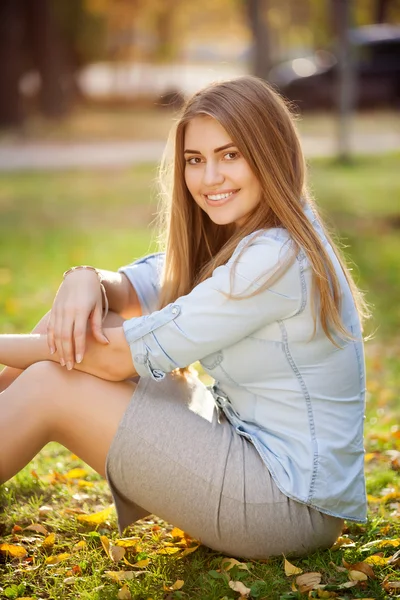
(49, 221)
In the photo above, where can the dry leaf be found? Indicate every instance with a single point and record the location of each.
(188, 551)
(13, 550)
(124, 593)
(381, 544)
(168, 550)
(376, 559)
(76, 473)
(116, 553)
(291, 569)
(347, 584)
(343, 542)
(360, 566)
(177, 533)
(49, 541)
(80, 545)
(395, 559)
(105, 542)
(228, 563)
(119, 576)
(127, 542)
(339, 569)
(38, 528)
(357, 576)
(96, 518)
(16, 529)
(69, 580)
(142, 563)
(308, 581)
(179, 583)
(83, 483)
(326, 594)
(238, 586)
(44, 510)
(54, 560)
(391, 585)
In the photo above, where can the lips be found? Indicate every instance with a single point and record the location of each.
(221, 201)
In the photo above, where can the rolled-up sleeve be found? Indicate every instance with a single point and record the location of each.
(205, 320)
(145, 276)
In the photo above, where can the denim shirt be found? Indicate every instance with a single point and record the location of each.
(299, 399)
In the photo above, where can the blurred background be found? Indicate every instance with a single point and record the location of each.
(90, 88)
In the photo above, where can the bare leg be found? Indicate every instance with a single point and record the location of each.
(10, 374)
(48, 403)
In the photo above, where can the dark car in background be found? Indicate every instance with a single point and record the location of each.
(311, 82)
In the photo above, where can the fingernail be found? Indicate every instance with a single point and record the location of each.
(52, 350)
(106, 338)
(70, 366)
(62, 362)
(78, 358)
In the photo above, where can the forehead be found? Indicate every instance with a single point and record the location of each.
(205, 132)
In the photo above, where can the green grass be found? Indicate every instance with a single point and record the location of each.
(49, 221)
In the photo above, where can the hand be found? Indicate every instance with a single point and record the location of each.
(77, 305)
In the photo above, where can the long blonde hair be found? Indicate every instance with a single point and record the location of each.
(261, 125)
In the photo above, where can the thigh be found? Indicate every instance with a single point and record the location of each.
(82, 411)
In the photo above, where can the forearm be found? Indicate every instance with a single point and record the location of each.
(111, 362)
(121, 295)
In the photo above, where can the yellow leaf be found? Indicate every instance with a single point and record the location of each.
(228, 563)
(119, 576)
(291, 569)
(76, 473)
(369, 456)
(127, 542)
(105, 542)
(13, 550)
(54, 560)
(177, 533)
(343, 542)
(189, 551)
(124, 593)
(49, 541)
(96, 518)
(38, 528)
(179, 583)
(142, 563)
(80, 545)
(381, 544)
(373, 499)
(325, 594)
(116, 553)
(238, 586)
(168, 550)
(357, 576)
(83, 483)
(308, 581)
(375, 559)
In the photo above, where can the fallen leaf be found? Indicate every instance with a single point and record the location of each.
(343, 542)
(347, 584)
(308, 581)
(179, 583)
(168, 550)
(76, 474)
(96, 518)
(49, 541)
(38, 528)
(337, 567)
(54, 560)
(142, 563)
(69, 580)
(116, 553)
(188, 551)
(105, 542)
(228, 563)
(360, 566)
(381, 544)
(119, 576)
(326, 594)
(44, 510)
(13, 550)
(395, 559)
(391, 585)
(80, 545)
(124, 593)
(177, 533)
(127, 542)
(357, 576)
(376, 559)
(291, 569)
(16, 529)
(83, 483)
(238, 586)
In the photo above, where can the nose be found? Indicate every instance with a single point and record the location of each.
(212, 174)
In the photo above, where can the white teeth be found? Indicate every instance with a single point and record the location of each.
(219, 196)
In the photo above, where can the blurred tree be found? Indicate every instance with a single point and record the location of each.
(257, 11)
(342, 20)
(11, 36)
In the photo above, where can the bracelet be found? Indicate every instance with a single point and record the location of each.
(100, 278)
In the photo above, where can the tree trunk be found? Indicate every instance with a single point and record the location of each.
(11, 50)
(381, 10)
(346, 79)
(257, 15)
(49, 57)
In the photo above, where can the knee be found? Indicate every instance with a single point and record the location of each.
(43, 372)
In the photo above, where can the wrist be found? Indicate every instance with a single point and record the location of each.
(105, 305)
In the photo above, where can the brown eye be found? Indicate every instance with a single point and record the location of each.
(231, 155)
(192, 160)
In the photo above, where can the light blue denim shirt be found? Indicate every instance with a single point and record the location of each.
(298, 398)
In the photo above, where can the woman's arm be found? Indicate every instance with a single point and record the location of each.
(112, 362)
(121, 295)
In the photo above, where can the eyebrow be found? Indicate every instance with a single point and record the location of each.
(230, 145)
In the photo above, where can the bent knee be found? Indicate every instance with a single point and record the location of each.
(43, 371)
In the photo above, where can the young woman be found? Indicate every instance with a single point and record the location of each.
(269, 459)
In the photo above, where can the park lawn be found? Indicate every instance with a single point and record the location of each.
(49, 221)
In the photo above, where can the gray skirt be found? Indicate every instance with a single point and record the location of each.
(176, 456)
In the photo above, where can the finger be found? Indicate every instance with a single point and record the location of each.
(68, 350)
(58, 341)
(80, 329)
(97, 325)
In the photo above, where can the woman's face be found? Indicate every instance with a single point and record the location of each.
(216, 174)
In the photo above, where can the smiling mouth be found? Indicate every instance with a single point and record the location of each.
(217, 199)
